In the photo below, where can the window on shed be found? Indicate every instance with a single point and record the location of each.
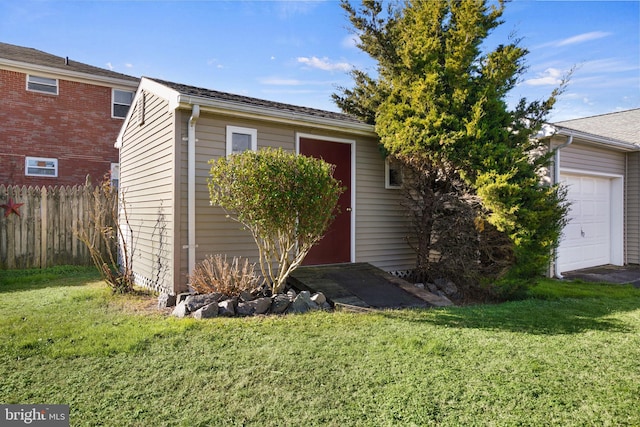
(240, 139)
(393, 173)
(122, 100)
(42, 84)
(41, 166)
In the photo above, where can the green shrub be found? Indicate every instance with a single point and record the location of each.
(286, 201)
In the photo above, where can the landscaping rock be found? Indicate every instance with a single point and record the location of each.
(251, 308)
(298, 306)
(247, 296)
(302, 303)
(180, 310)
(166, 301)
(182, 296)
(203, 306)
(207, 312)
(227, 308)
(446, 286)
(431, 287)
(318, 298)
(280, 303)
(194, 302)
(262, 291)
(306, 297)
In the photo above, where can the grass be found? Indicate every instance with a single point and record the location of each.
(568, 356)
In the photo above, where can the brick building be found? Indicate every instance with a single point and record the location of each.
(59, 118)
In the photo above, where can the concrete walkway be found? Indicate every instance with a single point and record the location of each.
(629, 274)
(361, 285)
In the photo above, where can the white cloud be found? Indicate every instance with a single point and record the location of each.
(289, 9)
(214, 62)
(288, 91)
(128, 65)
(324, 63)
(277, 81)
(550, 77)
(109, 66)
(608, 65)
(282, 81)
(581, 38)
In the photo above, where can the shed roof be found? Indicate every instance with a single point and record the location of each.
(255, 102)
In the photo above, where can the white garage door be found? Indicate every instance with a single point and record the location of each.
(586, 240)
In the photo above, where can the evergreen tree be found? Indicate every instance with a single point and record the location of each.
(438, 103)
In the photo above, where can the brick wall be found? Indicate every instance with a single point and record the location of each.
(74, 127)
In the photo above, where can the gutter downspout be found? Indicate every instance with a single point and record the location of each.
(556, 178)
(191, 187)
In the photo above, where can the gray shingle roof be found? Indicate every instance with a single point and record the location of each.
(38, 57)
(623, 126)
(254, 102)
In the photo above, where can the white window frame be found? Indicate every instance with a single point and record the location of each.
(52, 83)
(114, 176)
(114, 103)
(387, 176)
(243, 131)
(41, 159)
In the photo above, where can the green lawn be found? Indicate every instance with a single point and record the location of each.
(568, 356)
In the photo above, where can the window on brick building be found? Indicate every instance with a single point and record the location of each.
(42, 84)
(41, 166)
(121, 102)
(115, 175)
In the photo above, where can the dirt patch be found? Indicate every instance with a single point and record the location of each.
(140, 302)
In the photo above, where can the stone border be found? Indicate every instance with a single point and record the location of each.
(204, 306)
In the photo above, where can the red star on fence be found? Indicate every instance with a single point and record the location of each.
(11, 207)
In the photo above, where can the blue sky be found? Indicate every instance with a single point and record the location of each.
(299, 51)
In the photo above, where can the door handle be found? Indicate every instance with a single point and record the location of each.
(348, 209)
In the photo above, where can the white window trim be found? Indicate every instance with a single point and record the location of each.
(115, 174)
(56, 86)
(387, 177)
(241, 130)
(44, 159)
(113, 102)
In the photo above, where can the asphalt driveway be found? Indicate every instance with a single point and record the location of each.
(608, 273)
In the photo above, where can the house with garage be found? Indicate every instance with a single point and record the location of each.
(58, 118)
(598, 159)
(173, 130)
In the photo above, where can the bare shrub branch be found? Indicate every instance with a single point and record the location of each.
(103, 235)
(216, 274)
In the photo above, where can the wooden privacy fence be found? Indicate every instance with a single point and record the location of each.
(42, 235)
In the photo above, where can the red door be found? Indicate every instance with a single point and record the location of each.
(335, 246)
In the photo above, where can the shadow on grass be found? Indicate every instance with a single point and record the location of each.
(539, 317)
(33, 279)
